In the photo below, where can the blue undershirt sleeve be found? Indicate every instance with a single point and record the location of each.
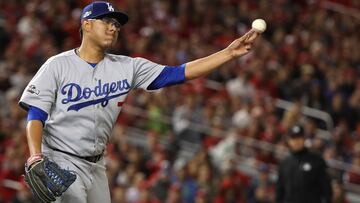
(35, 113)
(170, 75)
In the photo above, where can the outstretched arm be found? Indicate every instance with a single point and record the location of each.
(237, 48)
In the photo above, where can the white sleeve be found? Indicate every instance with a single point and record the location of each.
(41, 90)
(145, 72)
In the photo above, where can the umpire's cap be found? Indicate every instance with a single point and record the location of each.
(99, 9)
(296, 131)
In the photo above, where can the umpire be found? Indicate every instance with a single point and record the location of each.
(302, 176)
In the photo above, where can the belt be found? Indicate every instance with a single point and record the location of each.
(92, 159)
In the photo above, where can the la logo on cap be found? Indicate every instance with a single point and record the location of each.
(110, 8)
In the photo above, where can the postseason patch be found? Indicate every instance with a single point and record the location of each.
(32, 89)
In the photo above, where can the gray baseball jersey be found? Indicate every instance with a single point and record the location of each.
(83, 102)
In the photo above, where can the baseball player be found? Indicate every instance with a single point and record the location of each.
(74, 100)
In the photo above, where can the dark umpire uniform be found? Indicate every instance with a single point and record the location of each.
(302, 176)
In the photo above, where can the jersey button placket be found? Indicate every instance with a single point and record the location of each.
(96, 107)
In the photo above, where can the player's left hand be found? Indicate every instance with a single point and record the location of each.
(242, 45)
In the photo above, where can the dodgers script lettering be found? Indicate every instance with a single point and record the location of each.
(73, 93)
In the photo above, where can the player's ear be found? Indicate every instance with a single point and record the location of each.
(85, 26)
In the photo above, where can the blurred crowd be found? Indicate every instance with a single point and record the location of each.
(308, 55)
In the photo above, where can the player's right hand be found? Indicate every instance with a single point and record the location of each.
(242, 45)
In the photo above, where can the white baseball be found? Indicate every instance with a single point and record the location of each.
(259, 25)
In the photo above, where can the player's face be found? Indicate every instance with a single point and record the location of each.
(296, 144)
(104, 31)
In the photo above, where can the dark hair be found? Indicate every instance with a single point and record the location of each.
(80, 32)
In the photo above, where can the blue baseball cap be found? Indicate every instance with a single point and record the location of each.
(99, 9)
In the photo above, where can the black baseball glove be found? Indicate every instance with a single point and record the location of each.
(47, 180)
